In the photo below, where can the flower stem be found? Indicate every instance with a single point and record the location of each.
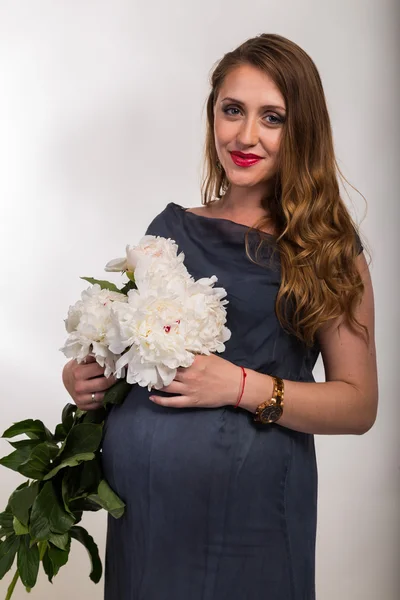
(12, 585)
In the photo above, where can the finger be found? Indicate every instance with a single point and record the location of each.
(180, 374)
(89, 359)
(175, 387)
(172, 402)
(87, 402)
(88, 371)
(97, 384)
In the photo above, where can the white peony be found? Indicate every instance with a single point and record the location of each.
(206, 313)
(152, 327)
(88, 324)
(158, 327)
(162, 327)
(160, 252)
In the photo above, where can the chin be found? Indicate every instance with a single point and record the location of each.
(245, 181)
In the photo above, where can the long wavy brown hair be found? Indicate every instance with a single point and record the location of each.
(317, 239)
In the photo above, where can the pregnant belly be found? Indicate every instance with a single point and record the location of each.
(194, 457)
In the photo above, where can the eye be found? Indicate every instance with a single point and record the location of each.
(228, 108)
(272, 119)
(277, 120)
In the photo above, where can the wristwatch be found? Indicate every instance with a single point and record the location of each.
(271, 410)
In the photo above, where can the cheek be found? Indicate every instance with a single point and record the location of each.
(272, 142)
(223, 132)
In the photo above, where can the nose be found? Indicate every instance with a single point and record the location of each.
(248, 132)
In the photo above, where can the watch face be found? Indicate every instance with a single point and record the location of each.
(270, 414)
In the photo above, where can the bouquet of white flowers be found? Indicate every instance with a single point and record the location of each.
(158, 321)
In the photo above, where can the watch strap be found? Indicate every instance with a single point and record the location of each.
(271, 410)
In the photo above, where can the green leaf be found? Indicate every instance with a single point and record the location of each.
(130, 275)
(96, 416)
(68, 415)
(70, 462)
(78, 516)
(19, 529)
(108, 500)
(60, 541)
(79, 415)
(58, 557)
(8, 550)
(15, 459)
(47, 516)
(81, 481)
(80, 441)
(42, 549)
(83, 438)
(131, 285)
(65, 489)
(6, 524)
(28, 562)
(39, 461)
(25, 444)
(84, 504)
(88, 479)
(21, 502)
(105, 285)
(80, 534)
(117, 393)
(29, 427)
(22, 486)
(48, 566)
(60, 434)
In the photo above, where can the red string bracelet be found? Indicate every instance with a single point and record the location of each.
(243, 381)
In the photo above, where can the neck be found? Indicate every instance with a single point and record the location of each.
(243, 202)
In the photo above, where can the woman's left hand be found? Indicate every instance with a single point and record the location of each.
(210, 382)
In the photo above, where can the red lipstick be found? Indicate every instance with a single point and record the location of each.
(242, 159)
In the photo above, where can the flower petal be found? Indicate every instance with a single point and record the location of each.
(117, 264)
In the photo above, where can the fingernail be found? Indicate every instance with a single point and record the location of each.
(152, 398)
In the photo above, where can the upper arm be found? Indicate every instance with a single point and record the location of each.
(349, 356)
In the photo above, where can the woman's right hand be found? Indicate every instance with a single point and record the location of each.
(83, 380)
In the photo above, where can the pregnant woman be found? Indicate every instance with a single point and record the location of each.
(218, 469)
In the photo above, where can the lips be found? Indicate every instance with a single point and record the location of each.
(246, 155)
(245, 160)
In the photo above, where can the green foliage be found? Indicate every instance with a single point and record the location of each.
(6, 524)
(21, 502)
(117, 393)
(28, 562)
(70, 462)
(105, 285)
(19, 528)
(80, 534)
(8, 550)
(131, 285)
(64, 479)
(48, 516)
(108, 499)
(32, 428)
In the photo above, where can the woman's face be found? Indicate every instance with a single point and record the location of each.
(249, 114)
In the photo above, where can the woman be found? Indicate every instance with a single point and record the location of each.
(218, 475)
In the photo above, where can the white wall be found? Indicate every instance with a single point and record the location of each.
(100, 126)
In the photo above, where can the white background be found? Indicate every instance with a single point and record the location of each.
(101, 125)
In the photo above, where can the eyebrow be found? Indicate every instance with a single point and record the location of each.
(266, 107)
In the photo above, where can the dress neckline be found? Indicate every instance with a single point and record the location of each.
(187, 212)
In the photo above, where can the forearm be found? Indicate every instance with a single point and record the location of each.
(333, 407)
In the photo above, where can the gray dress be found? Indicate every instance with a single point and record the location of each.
(217, 507)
